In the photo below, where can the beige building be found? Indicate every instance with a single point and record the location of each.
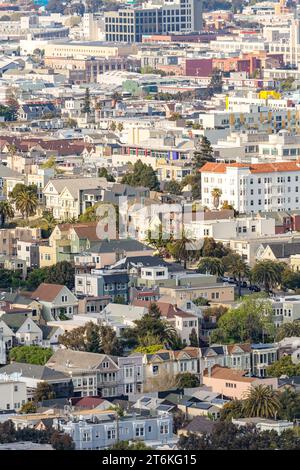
(12, 394)
(97, 49)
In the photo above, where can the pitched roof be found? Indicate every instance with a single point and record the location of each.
(167, 309)
(225, 373)
(284, 250)
(253, 167)
(89, 402)
(66, 359)
(14, 320)
(246, 347)
(47, 292)
(34, 371)
(108, 246)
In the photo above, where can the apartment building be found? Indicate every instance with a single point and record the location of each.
(12, 393)
(257, 187)
(96, 432)
(161, 17)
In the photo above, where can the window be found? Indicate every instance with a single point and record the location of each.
(64, 298)
(16, 388)
(164, 428)
(111, 434)
(105, 365)
(139, 431)
(155, 370)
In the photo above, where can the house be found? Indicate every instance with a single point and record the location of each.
(12, 393)
(68, 240)
(264, 424)
(62, 195)
(32, 375)
(160, 369)
(184, 323)
(263, 355)
(35, 110)
(233, 383)
(92, 304)
(89, 434)
(56, 300)
(108, 252)
(29, 252)
(279, 251)
(102, 282)
(29, 333)
(199, 425)
(235, 356)
(99, 374)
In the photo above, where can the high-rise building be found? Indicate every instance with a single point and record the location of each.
(159, 17)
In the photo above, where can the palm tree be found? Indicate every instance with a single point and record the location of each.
(26, 202)
(182, 249)
(268, 273)
(237, 267)
(49, 220)
(211, 265)
(216, 195)
(6, 212)
(288, 330)
(289, 404)
(262, 402)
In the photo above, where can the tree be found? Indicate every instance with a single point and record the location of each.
(211, 248)
(113, 126)
(203, 153)
(28, 408)
(8, 113)
(173, 187)
(6, 212)
(61, 441)
(211, 265)
(289, 405)
(201, 301)
(30, 354)
(183, 249)
(141, 175)
(119, 299)
(71, 123)
(36, 277)
(194, 340)
(160, 242)
(62, 272)
(250, 321)
(50, 163)
(87, 102)
(43, 391)
(26, 203)
(103, 173)
(120, 127)
(227, 436)
(287, 330)
(187, 380)
(216, 195)
(268, 273)
(151, 325)
(290, 279)
(175, 116)
(237, 267)
(284, 366)
(261, 401)
(91, 337)
(232, 410)
(216, 82)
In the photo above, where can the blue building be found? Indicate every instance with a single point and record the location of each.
(103, 430)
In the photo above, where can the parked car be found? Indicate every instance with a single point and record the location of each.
(254, 288)
(243, 283)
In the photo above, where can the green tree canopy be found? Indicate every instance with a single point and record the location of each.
(250, 321)
(141, 175)
(30, 354)
(187, 380)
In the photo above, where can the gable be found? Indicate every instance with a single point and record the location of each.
(112, 364)
(33, 327)
(5, 330)
(64, 291)
(237, 350)
(50, 188)
(65, 194)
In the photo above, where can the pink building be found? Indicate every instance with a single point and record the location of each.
(233, 383)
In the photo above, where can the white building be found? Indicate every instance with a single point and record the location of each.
(259, 187)
(12, 392)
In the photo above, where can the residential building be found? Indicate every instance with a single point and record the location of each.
(56, 301)
(12, 393)
(233, 383)
(99, 374)
(252, 187)
(89, 434)
(103, 282)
